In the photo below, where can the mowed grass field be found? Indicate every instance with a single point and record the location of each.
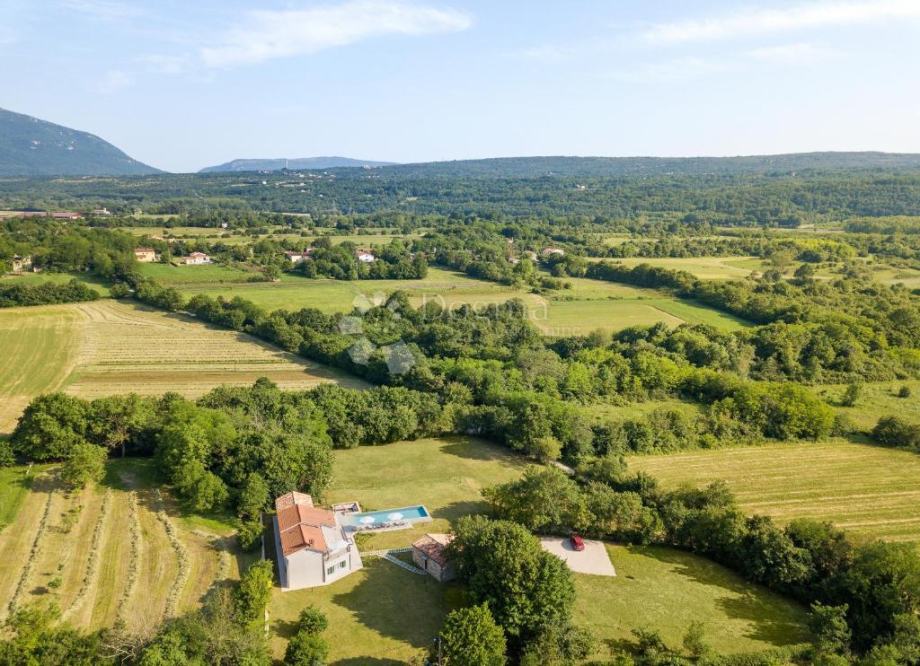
(870, 492)
(705, 268)
(108, 347)
(666, 589)
(384, 614)
(120, 550)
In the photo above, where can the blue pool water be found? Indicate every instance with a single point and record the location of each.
(408, 513)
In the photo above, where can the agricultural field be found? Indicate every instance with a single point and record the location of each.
(587, 305)
(390, 614)
(238, 236)
(870, 492)
(108, 347)
(120, 550)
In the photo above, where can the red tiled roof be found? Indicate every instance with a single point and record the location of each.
(433, 546)
(300, 523)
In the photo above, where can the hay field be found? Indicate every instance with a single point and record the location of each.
(108, 347)
(871, 492)
(705, 268)
(120, 550)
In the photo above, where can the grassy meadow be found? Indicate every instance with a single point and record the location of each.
(870, 492)
(668, 589)
(34, 279)
(108, 347)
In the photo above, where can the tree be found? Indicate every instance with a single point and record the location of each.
(255, 590)
(306, 649)
(829, 626)
(85, 464)
(526, 588)
(694, 640)
(543, 498)
(470, 637)
(50, 427)
(312, 620)
(851, 394)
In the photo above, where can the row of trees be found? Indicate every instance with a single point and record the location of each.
(45, 293)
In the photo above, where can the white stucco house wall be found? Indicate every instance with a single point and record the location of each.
(313, 546)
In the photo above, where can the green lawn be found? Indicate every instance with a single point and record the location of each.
(444, 474)
(665, 590)
(381, 615)
(180, 276)
(868, 491)
(14, 486)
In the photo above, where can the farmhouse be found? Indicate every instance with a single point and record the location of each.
(197, 258)
(313, 547)
(145, 255)
(298, 257)
(429, 554)
(365, 256)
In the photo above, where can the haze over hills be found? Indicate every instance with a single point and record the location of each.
(533, 167)
(302, 163)
(33, 147)
(568, 166)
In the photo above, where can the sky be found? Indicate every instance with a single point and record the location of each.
(183, 84)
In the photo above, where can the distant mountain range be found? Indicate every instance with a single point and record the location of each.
(535, 167)
(33, 147)
(302, 163)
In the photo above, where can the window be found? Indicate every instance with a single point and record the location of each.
(330, 571)
(343, 564)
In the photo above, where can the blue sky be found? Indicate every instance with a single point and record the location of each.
(185, 84)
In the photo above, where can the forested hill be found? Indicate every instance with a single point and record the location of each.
(534, 167)
(33, 147)
(303, 163)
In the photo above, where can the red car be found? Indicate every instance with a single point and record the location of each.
(577, 542)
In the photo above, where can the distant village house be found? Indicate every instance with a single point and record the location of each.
(298, 257)
(146, 255)
(313, 547)
(197, 258)
(430, 554)
(364, 256)
(21, 264)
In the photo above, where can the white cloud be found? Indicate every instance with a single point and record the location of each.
(764, 21)
(265, 35)
(792, 54)
(165, 64)
(676, 70)
(104, 10)
(113, 81)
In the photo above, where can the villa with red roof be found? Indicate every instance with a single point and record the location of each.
(313, 546)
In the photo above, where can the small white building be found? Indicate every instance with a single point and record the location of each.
(298, 257)
(197, 258)
(365, 257)
(20, 264)
(313, 547)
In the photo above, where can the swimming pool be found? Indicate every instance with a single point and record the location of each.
(372, 519)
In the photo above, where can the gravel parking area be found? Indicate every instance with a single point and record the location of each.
(592, 560)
